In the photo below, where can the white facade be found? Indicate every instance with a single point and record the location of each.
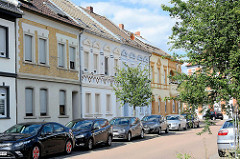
(7, 75)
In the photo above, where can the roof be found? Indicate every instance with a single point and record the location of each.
(46, 8)
(83, 19)
(11, 8)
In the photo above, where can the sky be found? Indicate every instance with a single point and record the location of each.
(145, 16)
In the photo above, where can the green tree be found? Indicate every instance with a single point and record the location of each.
(132, 86)
(209, 32)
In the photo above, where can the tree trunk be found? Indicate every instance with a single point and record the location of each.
(134, 111)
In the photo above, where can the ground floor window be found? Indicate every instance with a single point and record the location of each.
(29, 101)
(62, 102)
(4, 105)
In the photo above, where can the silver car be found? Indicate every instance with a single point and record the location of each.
(225, 140)
(176, 122)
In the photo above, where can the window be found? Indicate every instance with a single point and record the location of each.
(165, 106)
(97, 103)
(108, 103)
(3, 41)
(115, 66)
(62, 102)
(95, 62)
(43, 102)
(86, 59)
(106, 65)
(159, 105)
(4, 102)
(173, 106)
(72, 57)
(42, 51)
(61, 55)
(28, 47)
(29, 101)
(88, 103)
(158, 75)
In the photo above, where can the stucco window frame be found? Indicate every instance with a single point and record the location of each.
(64, 54)
(47, 109)
(47, 51)
(98, 63)
(33, 102)
(7, 107)
(83, 64)
(33, 47)
(7, 42)
(65, 115)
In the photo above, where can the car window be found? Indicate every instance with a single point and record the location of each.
(47, 129)
(96, 125)
(103, 123)
(58, 128)
(172, 117)
(120, 121)
(228, 124)
(133, 121)
(24, 129)
(150, 118)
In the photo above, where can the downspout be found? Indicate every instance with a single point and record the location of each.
(80, 67)
(16, 65)
(149, 67)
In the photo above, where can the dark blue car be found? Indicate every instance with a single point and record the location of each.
(34, 140)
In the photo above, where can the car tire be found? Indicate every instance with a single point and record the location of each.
(198, 126)
(35, 152)
(221, 153)
(167, 130)
(142, 134)
(68, 147)
(221, 118)
(90, 144)
(109, 140)
(185, 128)
(129, 136)
(179, 127)
(159, 131)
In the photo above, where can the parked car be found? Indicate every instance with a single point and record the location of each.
(176, 122)
(154, 124)
(34, 140)
(90, 132)
(127, 128)
(225, 139)
(192, 120)
(213, 115)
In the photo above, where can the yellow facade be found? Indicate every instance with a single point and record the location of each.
(162, 87)
(52, 68)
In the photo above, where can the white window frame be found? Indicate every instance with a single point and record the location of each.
(33, 47)
(64, 54)
(4, 100)
(46, 51)
(75, 57)
(106, 71)
(95, 70)
(5, 53)
(88, 104)
(40, 103)
(108, 103)
(86, 68)
(65, 103)
(26, 102)
(97, 103)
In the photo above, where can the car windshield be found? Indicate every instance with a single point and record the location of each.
(24, 129)
(172, 118)
(228, 124)
(120, 121)
(85, 124)
(150, 118)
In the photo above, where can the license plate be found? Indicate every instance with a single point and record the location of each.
(3, 153)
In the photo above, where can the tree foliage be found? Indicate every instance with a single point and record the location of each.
(133, 86)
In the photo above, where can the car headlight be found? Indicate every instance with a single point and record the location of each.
(19, 144)
(3, 145)
(121, 130)
(80, 136)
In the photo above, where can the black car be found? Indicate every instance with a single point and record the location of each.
(192, 120)
(155, 124)
(213, 115)
(34, 140)
(89, 132)
(127, 128)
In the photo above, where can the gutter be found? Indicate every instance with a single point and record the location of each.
(80, 69)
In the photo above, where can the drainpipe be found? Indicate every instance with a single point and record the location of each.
(149, 68)
(16, 63)
(80, 67)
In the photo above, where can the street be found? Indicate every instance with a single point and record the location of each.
(153, 146)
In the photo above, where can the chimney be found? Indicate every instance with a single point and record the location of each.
(121, 26)
(137, 33)
(90, 9)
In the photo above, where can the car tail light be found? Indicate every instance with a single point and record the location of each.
(222, 132)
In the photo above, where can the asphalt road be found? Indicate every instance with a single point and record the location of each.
(153, 146)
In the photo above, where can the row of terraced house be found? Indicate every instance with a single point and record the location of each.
(58, 62)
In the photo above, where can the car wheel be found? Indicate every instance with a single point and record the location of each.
(129, 136)
(179, 127)
(142, 134)
(36, 152)
(109, 140)
(221, 118)
(167, 130)
(185, 128)
(198, 126)
(90, 144)
(159, 131)
(221, 153)
(68, 147)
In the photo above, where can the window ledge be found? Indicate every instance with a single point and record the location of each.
(109, 114)
(62, 68)
(41, 117)
(4, 57)
(63, 116)
(5, 118)
(73, 70)
(44, 65)
(30, 117)
(29, 63)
